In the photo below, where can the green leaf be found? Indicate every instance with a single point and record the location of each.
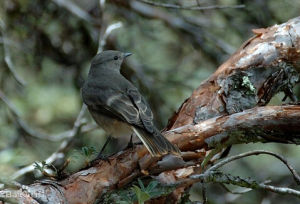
(141, 196)
(141, 185)
(88, 151)
(126, 196)
(124, 202)
(84, 151)
(151, 186)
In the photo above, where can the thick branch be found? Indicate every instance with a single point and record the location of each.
(267, 63)
(236, 128)
(262, 124)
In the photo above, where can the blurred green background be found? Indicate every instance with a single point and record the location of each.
(50, 45)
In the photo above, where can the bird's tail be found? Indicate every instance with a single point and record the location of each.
(156, 143)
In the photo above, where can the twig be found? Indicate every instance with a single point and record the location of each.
(63, 146)
(177, 23)
(211, 175)
(105, 31)
(204, 197)
(9, 42)
(76, 10)
(36, 134)
(102, 5)
(218, 177)
(22, 124)
(256, 152)
(246, 190)
(9, 184)
(195, 7)
(104, 34)
(7, 56)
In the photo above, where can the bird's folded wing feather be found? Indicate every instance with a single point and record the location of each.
(145, 112)
(129, 107)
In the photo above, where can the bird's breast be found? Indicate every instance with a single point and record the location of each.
(113, 127)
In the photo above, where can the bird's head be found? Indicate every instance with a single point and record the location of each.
(110, 59)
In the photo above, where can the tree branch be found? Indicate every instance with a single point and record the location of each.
(218, 177)
(256, 152)
(37, 134)
(7, 56)
(105, 33)
(76, 10)
(60, 152)
(195, 7)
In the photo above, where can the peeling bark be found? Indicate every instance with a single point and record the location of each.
(266, 64)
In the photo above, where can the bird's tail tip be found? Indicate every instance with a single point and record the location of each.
(157, 144)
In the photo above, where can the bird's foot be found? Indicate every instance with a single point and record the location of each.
(100, 155)
(130, 143)
(290, 94)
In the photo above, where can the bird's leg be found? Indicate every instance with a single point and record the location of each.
(130, 143)
(100, 155)
(289, 93)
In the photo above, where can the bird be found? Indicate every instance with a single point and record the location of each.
(118, 107)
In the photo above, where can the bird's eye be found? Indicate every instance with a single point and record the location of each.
(116, 58)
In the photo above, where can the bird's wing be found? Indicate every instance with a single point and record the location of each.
(129, 107)
(155, 142)
(145, 113)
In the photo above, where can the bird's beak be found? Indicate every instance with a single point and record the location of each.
(127, 54)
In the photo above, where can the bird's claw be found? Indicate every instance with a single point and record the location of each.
(101, 157)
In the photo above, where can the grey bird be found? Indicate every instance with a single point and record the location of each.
(117, 105)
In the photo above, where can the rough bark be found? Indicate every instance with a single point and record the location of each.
(213, 117)
(264, 65)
